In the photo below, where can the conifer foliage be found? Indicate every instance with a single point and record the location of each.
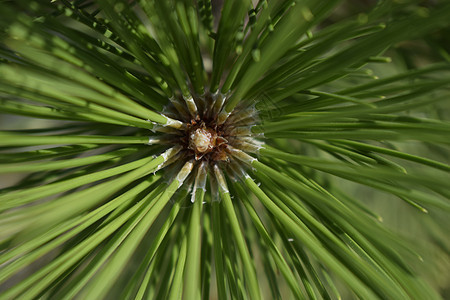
(221, 149)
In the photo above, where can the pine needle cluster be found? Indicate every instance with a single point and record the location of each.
(228, 149)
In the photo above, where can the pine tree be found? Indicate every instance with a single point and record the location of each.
(243, 150)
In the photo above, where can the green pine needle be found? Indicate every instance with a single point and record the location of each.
(224, 149)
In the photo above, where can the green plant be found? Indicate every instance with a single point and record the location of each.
(198, 153)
